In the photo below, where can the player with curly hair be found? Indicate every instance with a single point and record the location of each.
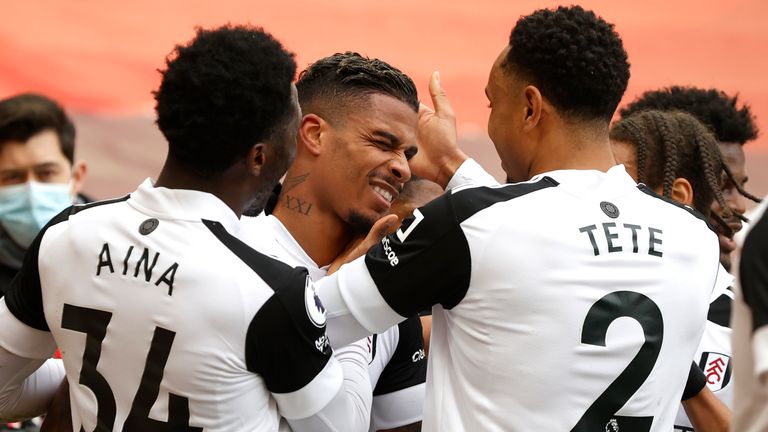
(733, 125)
(165, 320)
(572, 300)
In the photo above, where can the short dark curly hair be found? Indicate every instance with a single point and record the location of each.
(729, 122)
(25, 115)
(333, 83)
(576, 59)
(221, 93)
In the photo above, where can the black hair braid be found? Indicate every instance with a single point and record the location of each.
(641, 145)
(712, 164)
(670, 145)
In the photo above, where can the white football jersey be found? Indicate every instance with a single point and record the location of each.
(750, 330)
(714, 354)
(167, 322)
(396, 362)
(574, 301)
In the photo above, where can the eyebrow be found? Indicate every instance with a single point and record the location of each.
(393, 139)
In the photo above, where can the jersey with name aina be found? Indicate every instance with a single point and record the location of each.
(574, 301)
(167, 322)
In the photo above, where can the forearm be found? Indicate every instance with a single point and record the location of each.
(707, 413)
(27, 386)
(350, 410)
(354, 307)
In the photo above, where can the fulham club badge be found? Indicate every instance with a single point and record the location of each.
(717, 369)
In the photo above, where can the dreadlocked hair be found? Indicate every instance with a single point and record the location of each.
(672, 145)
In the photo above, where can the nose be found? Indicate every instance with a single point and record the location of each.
(399, 169)
(736, 201)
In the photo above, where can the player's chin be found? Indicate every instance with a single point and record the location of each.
(361, 221)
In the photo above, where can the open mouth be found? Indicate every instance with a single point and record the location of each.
(386, 194)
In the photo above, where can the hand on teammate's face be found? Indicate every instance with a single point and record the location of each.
(360, 246)
(439, 155)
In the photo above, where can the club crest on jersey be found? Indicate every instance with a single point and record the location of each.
(315, 309)
(717, 369)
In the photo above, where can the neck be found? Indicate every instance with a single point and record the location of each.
(580, 147)
(317, 228)
(223, 185)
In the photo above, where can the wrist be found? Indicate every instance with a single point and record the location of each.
(449, 167)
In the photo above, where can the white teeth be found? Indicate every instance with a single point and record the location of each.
(383, 192)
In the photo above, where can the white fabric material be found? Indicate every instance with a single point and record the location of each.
(750, 396)
(23, 340)
(348, 337)
(470, 172)
(215, 296)
(750, 358)
(27, 385)
(717, 341)
(509, 356)
(400, 408)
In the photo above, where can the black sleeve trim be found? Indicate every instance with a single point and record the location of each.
(282, 345)
(407, 367)
(696, 382)
(720, 311)
(275, 273)
(753, 272)
(24, 297)
(433, 264)
(467, 202)
(692, 211)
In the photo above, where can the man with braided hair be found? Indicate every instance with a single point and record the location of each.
(733, 125)
(674, 154)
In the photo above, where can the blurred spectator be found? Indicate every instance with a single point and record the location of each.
(38, 173)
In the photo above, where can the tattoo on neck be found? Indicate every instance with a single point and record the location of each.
(291, 182)
(298, 205)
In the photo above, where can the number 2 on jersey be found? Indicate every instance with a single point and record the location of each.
(94, 324)
(601, 415)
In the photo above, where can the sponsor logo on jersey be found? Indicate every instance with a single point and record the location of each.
(315, 309)
(391, 256)
(717, 369)
(609, 209)
(418, 355)
(321, 343)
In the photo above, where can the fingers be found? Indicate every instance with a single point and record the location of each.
(380, 229)
(439, 98)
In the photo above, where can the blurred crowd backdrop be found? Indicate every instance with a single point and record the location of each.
(100, 58)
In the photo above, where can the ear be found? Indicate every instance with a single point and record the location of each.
(79, 173)
(533, 106)
(257, 158)
(311, 132)
(682, 191)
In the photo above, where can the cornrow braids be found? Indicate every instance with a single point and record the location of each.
(672, 145)
(739, 187)
(670, 150)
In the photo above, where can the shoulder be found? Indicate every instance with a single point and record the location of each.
(275, 273)
(467, 201)
(684, 212)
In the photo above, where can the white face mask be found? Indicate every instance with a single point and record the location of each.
(26, 208)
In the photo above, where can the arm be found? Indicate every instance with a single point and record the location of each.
(350, 410)
(28, 385)
(424, 263)
(707, 413)
(753, 271)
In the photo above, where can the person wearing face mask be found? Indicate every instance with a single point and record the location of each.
(39, 176)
